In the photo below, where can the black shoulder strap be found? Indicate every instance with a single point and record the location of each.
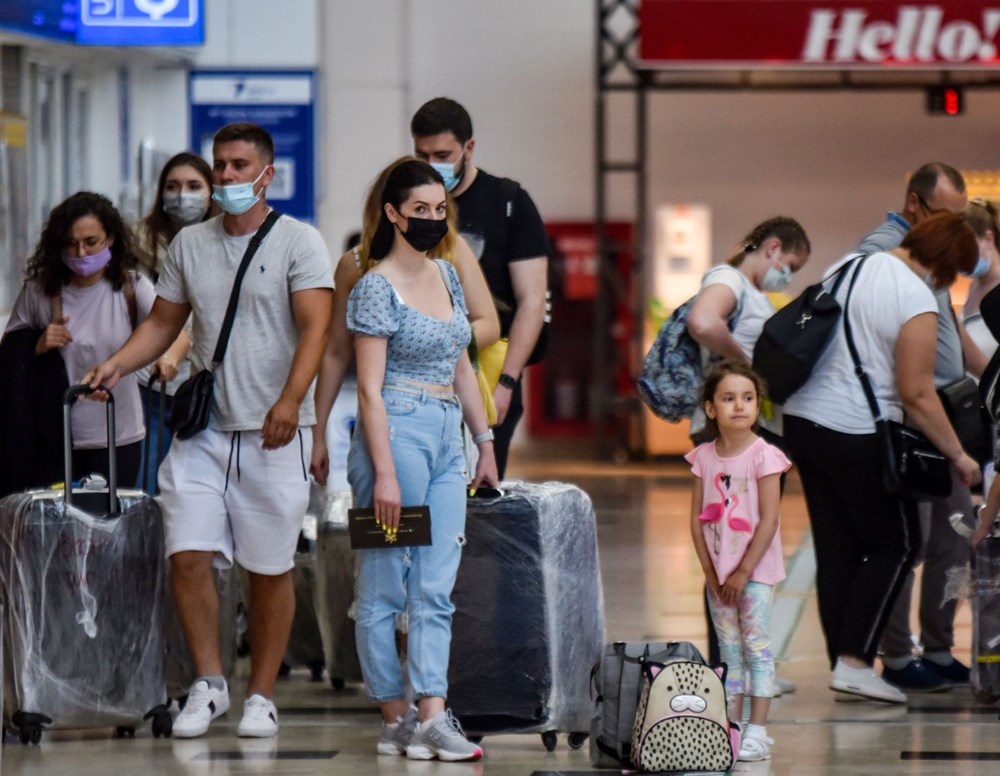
(234, 296)
(508, 188)
(859, 370)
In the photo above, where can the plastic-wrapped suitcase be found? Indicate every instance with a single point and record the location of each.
(81, 581)
(986, 619)
(335, 580)
(529, 613)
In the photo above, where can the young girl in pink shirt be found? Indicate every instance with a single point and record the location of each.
(734, 524)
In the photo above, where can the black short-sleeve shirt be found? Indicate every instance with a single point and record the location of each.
(502, 225)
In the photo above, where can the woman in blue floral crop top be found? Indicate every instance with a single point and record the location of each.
(415, 382)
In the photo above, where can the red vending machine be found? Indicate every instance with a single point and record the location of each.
(559, 387)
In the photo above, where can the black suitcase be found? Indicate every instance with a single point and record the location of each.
(986, 620)
(529, 614)
(81, 584)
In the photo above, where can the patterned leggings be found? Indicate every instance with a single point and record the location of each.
(745, 640)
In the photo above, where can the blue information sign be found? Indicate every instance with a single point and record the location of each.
(141, 23)
(282, 102)
(108, 22)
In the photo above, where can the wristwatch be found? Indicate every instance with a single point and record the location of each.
(486, 436)
(507, 381)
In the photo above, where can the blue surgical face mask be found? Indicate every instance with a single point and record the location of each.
(981, 268)
(448, 173)
(237, 198)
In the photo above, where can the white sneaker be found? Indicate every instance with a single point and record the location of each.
(864, 682)
(260, 718)
(204, 704)
(753, 749)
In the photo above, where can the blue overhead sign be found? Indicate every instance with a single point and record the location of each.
(108, 22)
(281, 101)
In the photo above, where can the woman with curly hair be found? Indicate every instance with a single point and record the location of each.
(83, 292)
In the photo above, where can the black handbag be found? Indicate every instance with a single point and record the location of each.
(794, 338)
(193, 398)
(911, 466)
(968, 417)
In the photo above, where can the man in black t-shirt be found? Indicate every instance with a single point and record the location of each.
(502, 225)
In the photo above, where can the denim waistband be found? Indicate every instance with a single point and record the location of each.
(423, 393)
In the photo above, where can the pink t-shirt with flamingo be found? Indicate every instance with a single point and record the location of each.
(731, 506)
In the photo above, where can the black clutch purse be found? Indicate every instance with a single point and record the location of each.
(192, 403)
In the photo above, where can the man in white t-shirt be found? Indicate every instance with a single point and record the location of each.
(238, 490)
(933, 188)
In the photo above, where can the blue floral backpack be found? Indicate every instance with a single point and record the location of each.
(671, 379)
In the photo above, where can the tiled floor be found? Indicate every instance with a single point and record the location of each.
(652, 589)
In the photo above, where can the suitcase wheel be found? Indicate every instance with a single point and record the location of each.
(316, 671)
(162, 723)
(985, 697)
(123, 731)
(576, 740)
(337, 683)
(550, 739)
(30, 726)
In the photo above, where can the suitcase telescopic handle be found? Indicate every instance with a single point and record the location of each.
(69, 398)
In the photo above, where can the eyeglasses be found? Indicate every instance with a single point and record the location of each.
(930, 210)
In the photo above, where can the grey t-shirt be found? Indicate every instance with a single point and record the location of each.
(200, 268)
(97, 319)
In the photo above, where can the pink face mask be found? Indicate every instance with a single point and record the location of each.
(87, 265)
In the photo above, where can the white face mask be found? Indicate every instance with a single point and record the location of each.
(776, 279)
(185, 207)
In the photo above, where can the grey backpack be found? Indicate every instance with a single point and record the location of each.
(617, 685)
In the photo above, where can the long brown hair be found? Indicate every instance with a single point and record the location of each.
(46, 266)
(945, 244)
(158, 225)
(373, 214)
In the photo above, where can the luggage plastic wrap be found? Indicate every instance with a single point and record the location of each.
(178, 668)
(529, 621)
(335, 582)
(83, 638)
(986, 619)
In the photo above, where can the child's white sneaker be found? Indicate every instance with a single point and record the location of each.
(754, 748)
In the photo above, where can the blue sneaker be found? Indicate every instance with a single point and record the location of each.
(955, 672)
(915, 677)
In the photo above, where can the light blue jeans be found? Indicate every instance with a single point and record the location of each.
(426, 441)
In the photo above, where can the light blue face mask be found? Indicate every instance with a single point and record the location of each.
(981, 268)
(447, 172)
(237, 198)
(776, 280)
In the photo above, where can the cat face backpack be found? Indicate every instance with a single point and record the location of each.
(682, 723)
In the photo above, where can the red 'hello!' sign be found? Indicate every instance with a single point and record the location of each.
(813, 33)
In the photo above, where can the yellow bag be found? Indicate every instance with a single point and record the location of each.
(486, 392)
(491, 360)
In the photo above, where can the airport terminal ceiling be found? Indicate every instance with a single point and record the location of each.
(647, 47)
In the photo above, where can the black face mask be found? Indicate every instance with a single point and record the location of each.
(424, 233)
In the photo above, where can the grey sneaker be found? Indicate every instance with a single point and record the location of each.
(442, 738)
(396, 736)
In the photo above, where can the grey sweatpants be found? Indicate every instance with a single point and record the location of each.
(941, 550)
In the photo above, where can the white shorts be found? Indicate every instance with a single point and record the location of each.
(221, 492)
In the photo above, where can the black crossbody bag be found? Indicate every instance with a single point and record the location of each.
(911, 466)
(193, 398)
